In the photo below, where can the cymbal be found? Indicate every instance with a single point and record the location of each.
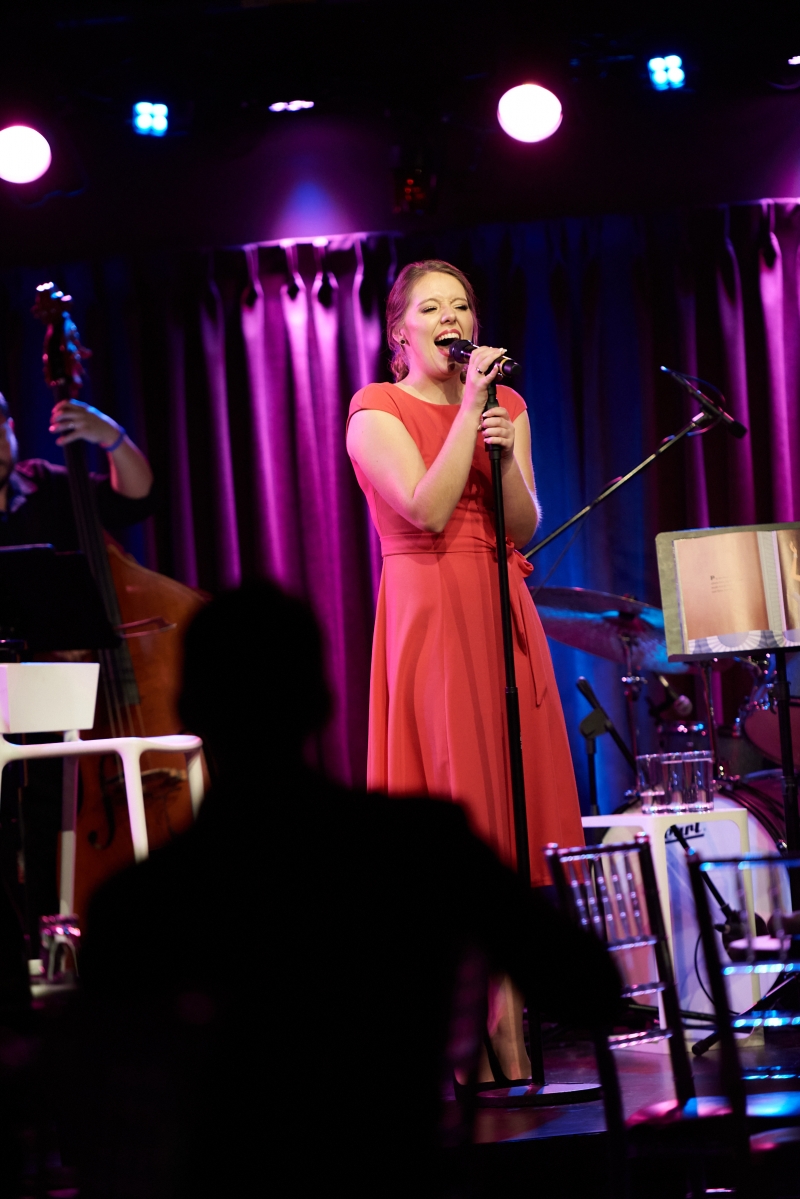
(581, 599)
(604, 625)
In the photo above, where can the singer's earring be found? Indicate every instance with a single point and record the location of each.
(402, 341)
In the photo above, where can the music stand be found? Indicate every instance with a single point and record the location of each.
(730, 592)
(50, 601)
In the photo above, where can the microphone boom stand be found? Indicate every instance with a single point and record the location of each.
(699, 422)
(540, 1093)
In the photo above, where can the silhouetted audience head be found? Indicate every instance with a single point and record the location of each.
(253, 669)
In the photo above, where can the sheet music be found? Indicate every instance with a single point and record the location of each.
(721, 585)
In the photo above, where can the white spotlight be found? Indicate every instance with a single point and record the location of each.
(24, 154)
(529, 113)
(290, 105)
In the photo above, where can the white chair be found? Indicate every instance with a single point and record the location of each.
(39, 697)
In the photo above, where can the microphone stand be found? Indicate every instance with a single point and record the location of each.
(696, 424)
(593, 726)
(539, 1093)
(711, 414)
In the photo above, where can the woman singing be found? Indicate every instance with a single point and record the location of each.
(437, 708)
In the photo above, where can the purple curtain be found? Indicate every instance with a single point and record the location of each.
(235, 368)
(285, 337)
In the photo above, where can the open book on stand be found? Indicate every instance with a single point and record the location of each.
(730, 591)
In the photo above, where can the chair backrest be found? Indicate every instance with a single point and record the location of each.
(773, 955)
(611, 891)
(46, 697)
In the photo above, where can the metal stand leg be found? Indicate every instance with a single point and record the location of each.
(789, 777)
(538, 1094)
(69, 823)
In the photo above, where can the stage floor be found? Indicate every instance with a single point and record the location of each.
(645, 1078)
(561, 1150)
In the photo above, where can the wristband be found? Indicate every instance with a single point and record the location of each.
(109, 449)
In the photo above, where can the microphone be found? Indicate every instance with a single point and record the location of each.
(460, 351)
(708, 406)
(681, 704)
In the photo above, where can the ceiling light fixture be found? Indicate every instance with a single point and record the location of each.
(24, 154)
(290, 105)
(150, 119)
(667, 72)
(529, 113)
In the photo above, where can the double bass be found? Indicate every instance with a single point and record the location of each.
(139, 678)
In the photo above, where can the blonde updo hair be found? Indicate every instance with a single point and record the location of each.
(400, 297)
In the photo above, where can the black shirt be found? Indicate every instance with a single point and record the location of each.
(40, 507)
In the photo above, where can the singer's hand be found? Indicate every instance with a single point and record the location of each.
(479, 376)
(498, 429)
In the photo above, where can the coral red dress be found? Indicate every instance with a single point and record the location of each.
(437, 696)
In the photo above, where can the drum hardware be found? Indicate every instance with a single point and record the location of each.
(733, 929)
(770, 699)
(616, 627)
(758, 715)
(681, 736)
(706, 668)
(783, 699)
(787, 993)
(681, 704)
(738, 756)
(632, 686)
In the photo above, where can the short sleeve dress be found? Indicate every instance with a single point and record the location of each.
(437, 693)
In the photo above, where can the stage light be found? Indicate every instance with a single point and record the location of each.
(24, 154)
(794, 61)
(666, 72)
(529, 113)
(150, 119)
(290, 105)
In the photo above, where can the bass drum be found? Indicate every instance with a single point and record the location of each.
(761, 796)
(759, 716)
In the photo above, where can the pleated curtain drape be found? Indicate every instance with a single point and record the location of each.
(235, 368)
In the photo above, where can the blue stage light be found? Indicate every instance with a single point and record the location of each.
(666, 72)
(150, 119)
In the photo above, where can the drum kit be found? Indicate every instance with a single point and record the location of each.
(625, 630)
(692, 775)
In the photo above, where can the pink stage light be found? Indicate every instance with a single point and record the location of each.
(529, 113)
(24, 154)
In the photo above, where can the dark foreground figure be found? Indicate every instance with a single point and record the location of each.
(268, 1002)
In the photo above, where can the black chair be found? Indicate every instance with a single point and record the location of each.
(765, 1112)
(611, 890)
